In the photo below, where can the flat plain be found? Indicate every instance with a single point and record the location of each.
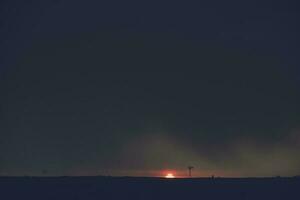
(98, 187)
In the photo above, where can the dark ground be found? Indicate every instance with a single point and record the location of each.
(66, 188)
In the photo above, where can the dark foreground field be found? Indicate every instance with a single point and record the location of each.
(86, 188)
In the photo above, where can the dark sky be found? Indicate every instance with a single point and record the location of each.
(137, 88)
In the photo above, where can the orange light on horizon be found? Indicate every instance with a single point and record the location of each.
(169, 175)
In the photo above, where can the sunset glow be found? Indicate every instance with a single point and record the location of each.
(169, 175)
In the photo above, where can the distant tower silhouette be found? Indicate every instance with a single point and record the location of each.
(190, 170)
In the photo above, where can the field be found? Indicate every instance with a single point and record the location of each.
(67, 188)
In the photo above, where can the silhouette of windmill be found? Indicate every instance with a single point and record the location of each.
(190, 170)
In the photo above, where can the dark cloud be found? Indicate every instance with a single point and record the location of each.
(113, 97)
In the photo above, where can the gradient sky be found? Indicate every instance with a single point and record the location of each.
(136, 88)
